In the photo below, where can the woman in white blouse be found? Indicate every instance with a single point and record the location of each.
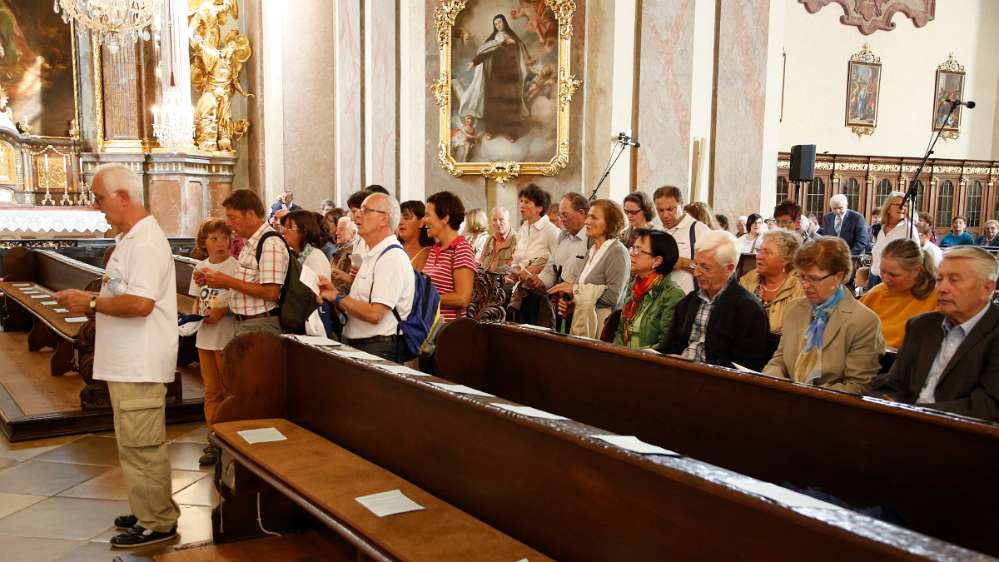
(750, 242)
(893, 227)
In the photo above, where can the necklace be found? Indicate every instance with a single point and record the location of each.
(769, 290)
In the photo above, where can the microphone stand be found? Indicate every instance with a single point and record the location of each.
(910, 195)
(621, 146)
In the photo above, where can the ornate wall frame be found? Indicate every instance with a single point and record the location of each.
(857, 123)
(948, 72)
(567, 84)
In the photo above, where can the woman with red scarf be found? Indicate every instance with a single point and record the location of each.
(652, 295)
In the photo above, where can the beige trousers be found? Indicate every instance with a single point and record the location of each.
(140, 427)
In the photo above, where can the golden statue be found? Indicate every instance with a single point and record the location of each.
(215, 65)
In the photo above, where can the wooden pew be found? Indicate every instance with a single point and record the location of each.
(546, 485)
(936, 471)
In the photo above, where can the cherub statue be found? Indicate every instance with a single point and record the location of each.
(466, 138)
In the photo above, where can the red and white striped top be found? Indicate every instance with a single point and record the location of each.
(441, 265)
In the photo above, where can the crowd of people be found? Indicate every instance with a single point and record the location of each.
(653, 273)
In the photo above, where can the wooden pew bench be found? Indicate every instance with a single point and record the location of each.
(354, 428)
(935, 471)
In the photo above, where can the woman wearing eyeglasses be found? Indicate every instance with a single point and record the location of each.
(651, 294)
(893, 227)
(829, 339)
(639, 212)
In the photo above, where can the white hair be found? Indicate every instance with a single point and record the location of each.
(723, 243)
(394, 211)
(841, 199)
(351, 225)
(498, 209)
(117, 177)
(982, 262)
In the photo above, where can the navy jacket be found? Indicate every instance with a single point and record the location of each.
(854, 230)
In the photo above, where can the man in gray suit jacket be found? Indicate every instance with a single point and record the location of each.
(949, 359)
(847, 224)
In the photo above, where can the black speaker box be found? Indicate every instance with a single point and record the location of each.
(802, 162)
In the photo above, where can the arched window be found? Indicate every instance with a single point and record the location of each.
(815, 200)
(851, 188)
(919, 195)
(881, 192)
(781, 189)
(945, 204)
(973, 204)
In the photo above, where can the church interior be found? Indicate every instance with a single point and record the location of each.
(671, 270)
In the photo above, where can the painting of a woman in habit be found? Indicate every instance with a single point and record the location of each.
(495, 98)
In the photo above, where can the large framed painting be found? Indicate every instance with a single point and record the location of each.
(949, 85)
(38, 68)
(863, 86)
(504, 86)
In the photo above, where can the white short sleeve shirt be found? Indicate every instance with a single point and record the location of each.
(385, 279)
(214, 337)
(143, 348)
(681, 233)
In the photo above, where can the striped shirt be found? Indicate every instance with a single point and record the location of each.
(272, 269)
(441, 265)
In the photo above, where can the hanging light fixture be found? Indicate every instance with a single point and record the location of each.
(112, 21)
(173, 119)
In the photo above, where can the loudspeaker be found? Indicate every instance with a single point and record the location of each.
(802, 162)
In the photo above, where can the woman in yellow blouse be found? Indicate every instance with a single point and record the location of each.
(772, 281)
(907, 288)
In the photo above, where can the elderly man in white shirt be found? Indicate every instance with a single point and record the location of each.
(684, 228)
(381, 296)
(135, 352)
(537, 236)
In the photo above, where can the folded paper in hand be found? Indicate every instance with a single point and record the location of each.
(310, 279)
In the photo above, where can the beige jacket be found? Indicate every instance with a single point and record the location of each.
(852, 345)
(789, 290)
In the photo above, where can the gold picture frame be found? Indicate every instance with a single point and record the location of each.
(551, 29)
(948, 83)
(863, 89)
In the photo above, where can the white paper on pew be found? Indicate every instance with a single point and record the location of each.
(316, 340)
(635, 445)
(650, 350)
(538, 328)
(60, 310)
(20, 284)
(780, 494)
(461, 389)
(75, 319)
(49, 303)
(356, 354)
(262, 435)
(310, 279)
(404, 370)
(30, 291)
(531, 412)
(41, 296)
(742, 369)
(388, 503)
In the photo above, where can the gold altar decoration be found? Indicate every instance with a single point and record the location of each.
(463, 134)
(216, 62)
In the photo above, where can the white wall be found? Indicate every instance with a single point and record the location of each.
(818, 48)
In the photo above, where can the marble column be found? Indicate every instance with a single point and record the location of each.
(381, 93)
(663, 120)
(348, 100)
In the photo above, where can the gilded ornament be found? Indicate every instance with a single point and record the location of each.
(501, 172)
(441, 89)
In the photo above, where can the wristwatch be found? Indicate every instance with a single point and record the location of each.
(93, 303)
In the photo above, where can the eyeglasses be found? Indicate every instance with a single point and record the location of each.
(812, 280)
(366, 210)
(635, 250)
(632, 212)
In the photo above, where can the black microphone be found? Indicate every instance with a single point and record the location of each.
(968, 104)
(625, 139)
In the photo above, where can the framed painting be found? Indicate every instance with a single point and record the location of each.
(504, 86)
(949, 85)
(38, 68)
(863, 86)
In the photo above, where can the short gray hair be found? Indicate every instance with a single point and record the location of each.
(722, 243)
(394, 212)
(786, 242)
(498, 209)
(982, 262)
(349, 222)
(117, 178)
(841, 199)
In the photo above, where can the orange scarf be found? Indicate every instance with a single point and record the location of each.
(639, 289)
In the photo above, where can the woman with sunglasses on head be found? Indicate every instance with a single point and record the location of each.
(829, 339)
(639, 212)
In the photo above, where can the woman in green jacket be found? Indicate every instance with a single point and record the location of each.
(652, 295)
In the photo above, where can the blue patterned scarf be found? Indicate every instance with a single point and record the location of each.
(808, 366)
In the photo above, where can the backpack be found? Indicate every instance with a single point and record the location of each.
(297, 301)
(418, 332)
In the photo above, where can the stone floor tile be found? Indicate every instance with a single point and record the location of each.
(46, 478)
(63, 518)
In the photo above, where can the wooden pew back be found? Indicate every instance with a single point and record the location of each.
(936, 471)
(545, 483)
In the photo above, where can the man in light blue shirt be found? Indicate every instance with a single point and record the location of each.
(949, 359)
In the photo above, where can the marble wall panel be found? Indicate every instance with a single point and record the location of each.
(348, 100)
(381, 92)
(664, 93)
(194, 207)
(217, 192)
(164, 201)
(741, 101)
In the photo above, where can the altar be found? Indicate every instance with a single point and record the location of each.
(52, 222)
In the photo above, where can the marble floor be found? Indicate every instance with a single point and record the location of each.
(59, 497)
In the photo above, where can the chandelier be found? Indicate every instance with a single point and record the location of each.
(111, 20)
(173, 121)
